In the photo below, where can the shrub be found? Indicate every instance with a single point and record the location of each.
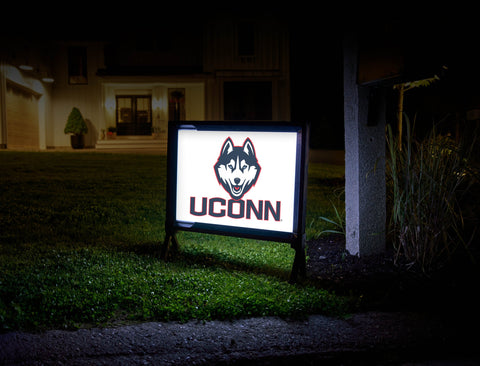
(75, 123)
(425, 181)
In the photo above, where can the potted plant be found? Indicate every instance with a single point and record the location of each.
(112, 133)
(76, 126)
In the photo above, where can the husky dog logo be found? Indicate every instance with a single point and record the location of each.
(237, 168)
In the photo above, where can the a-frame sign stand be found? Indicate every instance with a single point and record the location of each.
(170, 244)
(299, 267)
(296, 239)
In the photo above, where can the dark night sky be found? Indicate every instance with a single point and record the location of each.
(427, 39)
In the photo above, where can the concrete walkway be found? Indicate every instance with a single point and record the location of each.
(373, 338)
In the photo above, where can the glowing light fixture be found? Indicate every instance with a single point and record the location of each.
(48, 79)
(110, 103)
(25, 67)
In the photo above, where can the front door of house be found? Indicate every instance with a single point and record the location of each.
(134, 115)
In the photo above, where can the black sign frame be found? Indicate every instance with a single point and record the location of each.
(296, 237)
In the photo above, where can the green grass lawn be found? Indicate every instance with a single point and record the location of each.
(80, 235)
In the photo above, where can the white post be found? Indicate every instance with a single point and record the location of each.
(3, 111)
(365, 195)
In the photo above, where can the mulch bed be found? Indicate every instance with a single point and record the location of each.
(380, 284)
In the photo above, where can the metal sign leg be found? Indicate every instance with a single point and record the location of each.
(170, 245)
(299, 267)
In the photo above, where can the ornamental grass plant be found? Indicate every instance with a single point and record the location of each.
(426, 182)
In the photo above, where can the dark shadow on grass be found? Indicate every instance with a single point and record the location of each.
(154, 249)
(219, 261)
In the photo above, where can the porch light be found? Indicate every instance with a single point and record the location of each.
(157, 103)
(110, 103)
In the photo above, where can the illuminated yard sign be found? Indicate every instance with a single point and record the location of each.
(242, 179)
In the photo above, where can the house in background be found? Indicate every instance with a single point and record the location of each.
(135, 81)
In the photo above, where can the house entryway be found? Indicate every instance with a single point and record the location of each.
(134, 128)
(134, 115)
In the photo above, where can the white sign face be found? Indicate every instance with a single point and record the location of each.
(237, 178)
